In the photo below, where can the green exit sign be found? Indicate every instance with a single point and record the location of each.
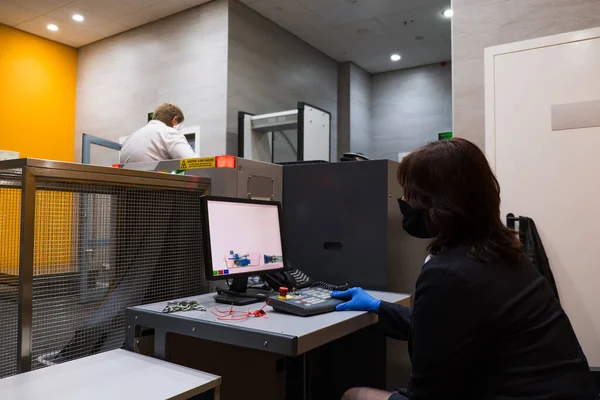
(445, 136)
(150, 116)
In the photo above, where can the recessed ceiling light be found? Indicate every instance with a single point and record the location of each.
(78, 17)
(52, 27)
(448, 13)
(395, 57)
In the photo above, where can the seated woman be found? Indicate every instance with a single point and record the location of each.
(485, 324)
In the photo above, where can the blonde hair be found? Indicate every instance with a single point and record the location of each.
(166, 112)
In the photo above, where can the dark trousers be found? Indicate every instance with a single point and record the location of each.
(401, 394)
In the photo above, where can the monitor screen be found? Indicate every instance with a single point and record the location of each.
(245, 238)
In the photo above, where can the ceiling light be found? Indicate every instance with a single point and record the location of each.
(78, 18)
(395, 57)
(52, 27)
(448, 13)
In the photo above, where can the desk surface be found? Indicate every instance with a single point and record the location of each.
(303, 334)
(116, 374)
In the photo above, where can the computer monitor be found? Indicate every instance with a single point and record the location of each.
(241, 238)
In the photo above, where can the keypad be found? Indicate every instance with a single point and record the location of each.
(310, 301)
(314, 296)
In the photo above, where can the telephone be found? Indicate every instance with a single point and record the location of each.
(296, 279)
(354, 157)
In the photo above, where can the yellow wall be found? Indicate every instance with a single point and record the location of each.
(10, 206)
(37, 119)
(37, 96)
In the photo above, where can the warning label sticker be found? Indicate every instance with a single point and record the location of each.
(197, 163)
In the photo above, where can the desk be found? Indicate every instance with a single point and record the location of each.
(284, 352)
(116, 374)
(279, 333)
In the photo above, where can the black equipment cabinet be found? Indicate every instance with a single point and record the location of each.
(342, 223)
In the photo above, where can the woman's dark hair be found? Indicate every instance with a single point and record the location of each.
(453, 181)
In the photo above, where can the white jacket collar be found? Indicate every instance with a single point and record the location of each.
(162, 125)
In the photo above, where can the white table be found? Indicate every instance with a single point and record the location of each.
(116, 374)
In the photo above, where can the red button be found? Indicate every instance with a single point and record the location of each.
(283, 291)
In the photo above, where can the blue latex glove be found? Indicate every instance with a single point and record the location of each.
(359, 300)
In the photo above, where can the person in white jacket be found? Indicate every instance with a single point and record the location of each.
(159, 140)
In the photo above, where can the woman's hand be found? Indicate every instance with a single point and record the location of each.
(359, 300)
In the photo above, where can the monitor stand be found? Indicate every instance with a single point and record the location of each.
(239, 294)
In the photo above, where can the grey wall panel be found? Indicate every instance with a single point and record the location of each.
(360, 110)
(409, 108)
(343, 115)
(478, 24)
(271, 70)
(180, 59)
(354, 109)
(384, 114)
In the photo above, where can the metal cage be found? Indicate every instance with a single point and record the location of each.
(79, 244)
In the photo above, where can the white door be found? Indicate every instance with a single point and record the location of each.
(551, 171)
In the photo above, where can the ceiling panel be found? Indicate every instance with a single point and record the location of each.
(109, 29)
(363, 31)
(137, 19)
(39, 26)
(413, 57)
(109, 9)
(64, 15)
(196, 2)
(306, 23)
(81, 38)
(417, 21)
(40, 6)
(316, 4)
(166, 8)
(279, 11)
(139, 4)
(333, 46)
(12, 14)
(415, 28)
(352, 11)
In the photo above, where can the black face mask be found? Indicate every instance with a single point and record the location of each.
(413, 220)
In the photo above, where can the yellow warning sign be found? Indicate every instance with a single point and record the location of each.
(197, 163)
